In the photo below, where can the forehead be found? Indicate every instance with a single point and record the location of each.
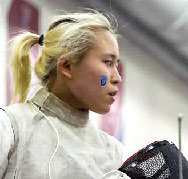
(105, 47)
(106, 44)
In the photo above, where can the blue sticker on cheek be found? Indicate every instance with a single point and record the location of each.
(103, 80)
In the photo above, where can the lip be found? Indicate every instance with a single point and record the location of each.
(112, 98)
(113, 93)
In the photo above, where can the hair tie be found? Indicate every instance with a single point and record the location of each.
(41, 38)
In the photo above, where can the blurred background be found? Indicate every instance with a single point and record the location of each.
(154, 52)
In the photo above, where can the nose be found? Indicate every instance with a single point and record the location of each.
(116, 78)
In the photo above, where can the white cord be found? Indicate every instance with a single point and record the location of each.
(57, 134)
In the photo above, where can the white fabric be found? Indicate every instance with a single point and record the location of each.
(115, 174)
(6, 141)
(84, 152)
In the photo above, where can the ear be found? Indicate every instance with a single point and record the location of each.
(64, 66)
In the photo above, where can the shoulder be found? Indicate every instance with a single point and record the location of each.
(5, 123)
(20, 115)
(20, 111)
(24, 107)
(6, 134)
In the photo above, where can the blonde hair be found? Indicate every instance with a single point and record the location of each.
(71, 35)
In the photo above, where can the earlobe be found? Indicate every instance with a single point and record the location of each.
(64, 67)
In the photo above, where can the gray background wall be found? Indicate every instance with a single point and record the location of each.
(154, 94)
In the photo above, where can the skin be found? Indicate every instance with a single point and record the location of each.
(79, 85)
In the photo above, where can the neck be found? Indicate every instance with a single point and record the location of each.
(64, 93)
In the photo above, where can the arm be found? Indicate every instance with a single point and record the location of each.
(6, 141)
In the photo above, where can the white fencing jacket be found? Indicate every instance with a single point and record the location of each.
(45, 138)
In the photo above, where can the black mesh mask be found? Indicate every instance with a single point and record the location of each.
(159, 160)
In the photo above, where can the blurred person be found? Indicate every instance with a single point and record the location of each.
(50, 135)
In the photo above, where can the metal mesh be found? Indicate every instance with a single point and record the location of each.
(152, 165)
(165, 174)
(159, 160)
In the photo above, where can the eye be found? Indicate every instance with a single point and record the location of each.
(108, 62)
(118, 63)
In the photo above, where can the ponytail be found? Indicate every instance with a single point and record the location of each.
(71, 35)
(21, 64)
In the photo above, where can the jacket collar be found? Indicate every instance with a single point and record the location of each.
(48, 101)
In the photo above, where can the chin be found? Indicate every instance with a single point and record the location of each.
(102, 110)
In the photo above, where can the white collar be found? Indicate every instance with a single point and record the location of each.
(48, 101)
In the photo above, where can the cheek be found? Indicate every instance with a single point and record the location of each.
(87, 82)
(104, 80)
(88, 85)
(98, 80)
